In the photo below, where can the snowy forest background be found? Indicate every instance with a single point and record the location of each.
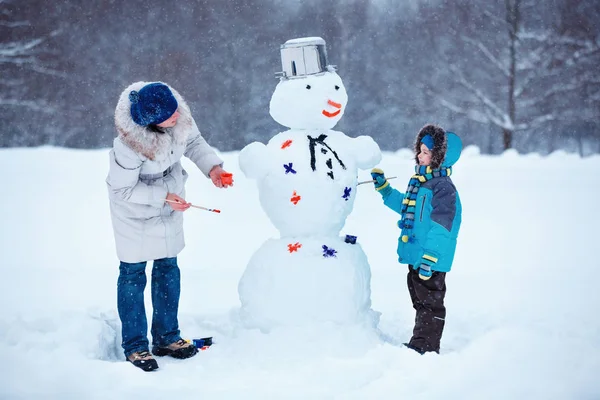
(518, 74)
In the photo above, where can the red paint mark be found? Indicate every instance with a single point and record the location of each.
(295, 198)
(331, 115)
(333, 103)
(287, 143)
(226, 178)
(294, 247)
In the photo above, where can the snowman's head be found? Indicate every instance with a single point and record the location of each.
(309, 102)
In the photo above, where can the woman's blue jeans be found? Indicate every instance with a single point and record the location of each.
(165, 303)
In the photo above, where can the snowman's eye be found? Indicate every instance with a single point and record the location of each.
(308, 87)
(337, 87)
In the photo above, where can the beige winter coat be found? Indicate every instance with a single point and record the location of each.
(144, 167)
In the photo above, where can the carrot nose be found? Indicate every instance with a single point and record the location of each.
(333, 103)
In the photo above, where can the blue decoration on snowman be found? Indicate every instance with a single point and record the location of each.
(328, 252)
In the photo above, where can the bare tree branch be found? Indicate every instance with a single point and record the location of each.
(530, 59)
(494, 17)
(12, 81)
(475, 91)
(536, 122)
(488, 54)
(17, 24)
(539, 36)
(23, 53)
(37, 105)
(472, 114)
(583, 54)
(17, 49)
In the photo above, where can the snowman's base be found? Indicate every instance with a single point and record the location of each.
(368, 321)
(302, 281)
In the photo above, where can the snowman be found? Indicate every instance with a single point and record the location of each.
(307, 180)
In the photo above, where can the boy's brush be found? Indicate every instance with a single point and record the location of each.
(373, 180)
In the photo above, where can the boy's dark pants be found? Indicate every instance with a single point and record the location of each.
(428, 300)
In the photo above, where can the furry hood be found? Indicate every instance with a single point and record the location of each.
(154, 146)
(440, 144)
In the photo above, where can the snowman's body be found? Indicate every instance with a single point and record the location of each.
(307, 180)
(304, 287)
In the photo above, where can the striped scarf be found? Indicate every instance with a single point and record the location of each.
(409, 203)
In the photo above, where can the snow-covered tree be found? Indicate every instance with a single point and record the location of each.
(29, 66)
(484, 69)
(516, 68)
(23, 55)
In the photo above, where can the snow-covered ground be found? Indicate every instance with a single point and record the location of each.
(522, 299)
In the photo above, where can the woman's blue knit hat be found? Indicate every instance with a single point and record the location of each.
(153, 104)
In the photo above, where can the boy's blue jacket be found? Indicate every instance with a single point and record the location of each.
(437, 220)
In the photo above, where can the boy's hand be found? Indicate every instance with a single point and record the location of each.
(424, 274)
(379, 177)
(177, 203)
(425, 266)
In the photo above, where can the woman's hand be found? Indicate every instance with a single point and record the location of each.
(220, 177)
(177, 203)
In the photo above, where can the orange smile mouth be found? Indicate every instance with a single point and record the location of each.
(331, 115)
(335, 113)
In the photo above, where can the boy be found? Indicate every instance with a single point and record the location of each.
(431, 217)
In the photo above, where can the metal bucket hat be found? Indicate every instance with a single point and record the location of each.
(302, 57)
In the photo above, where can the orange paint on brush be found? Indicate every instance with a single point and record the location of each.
(287, 143)
(295, 198)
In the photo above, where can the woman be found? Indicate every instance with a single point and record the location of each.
(147, 197)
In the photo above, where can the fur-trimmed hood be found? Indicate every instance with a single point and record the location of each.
(440, 144)
(152, 145)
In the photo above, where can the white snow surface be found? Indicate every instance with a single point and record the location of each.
(521, 300)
